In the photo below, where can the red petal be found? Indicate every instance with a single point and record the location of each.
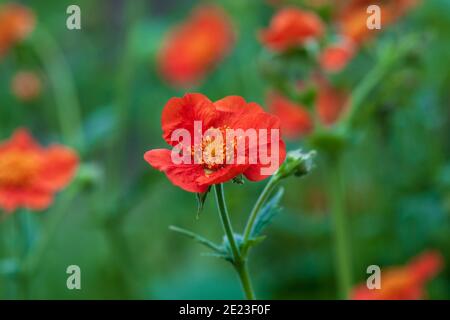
(59, 168)
(180, 113)
(22, 140)
(253, 173)
(37, 200)
(183, 175)
(222, 175)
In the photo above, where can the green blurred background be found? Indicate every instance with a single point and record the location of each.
(115, 216)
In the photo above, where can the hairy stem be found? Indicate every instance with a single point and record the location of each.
(239, 263)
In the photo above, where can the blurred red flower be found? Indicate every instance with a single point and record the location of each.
(16, 23)
(336, 56)
(291, 27)
(231, 112)
(31, 174)
(405, 282)
(296, 120)
(191, 49)
(353, 16)
(26, 85)
(330, 102)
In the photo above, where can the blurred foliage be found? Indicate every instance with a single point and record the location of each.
(116, 219)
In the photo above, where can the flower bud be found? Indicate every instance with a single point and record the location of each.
(297, 163)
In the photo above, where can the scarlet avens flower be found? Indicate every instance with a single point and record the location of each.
(336, 56)
(26, 85)
(291, 27)
(195, 46)
(16, 22)
(405, 282)
(211, 166)
(353, 16)
(30, 174)
(296, 120)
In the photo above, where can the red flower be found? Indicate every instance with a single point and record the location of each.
(291, 27)
(353, 16)
(405, 282)
(336, 56)
(195, 46)
(16, 22)
(297, 121)
(232, 112)
(31, 174)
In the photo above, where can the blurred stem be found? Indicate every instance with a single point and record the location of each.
(270, 186)
(239, 263)
(23, 244)
(133, 10)
(61, 79)
(341, 243)
(32, 260)
(391, 54)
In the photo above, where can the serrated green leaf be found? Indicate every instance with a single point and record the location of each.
(200, 239)
(266, 214)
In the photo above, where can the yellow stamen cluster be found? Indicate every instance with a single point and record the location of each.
(215, 151)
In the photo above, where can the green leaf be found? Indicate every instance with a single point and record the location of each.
(201, 198)
(265, 216)
(202, 240)
(224, 256)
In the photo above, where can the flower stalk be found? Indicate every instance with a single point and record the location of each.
(296, 163)
(239, 262)
(340, 233)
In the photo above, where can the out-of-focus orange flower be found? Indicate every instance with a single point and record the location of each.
(194, 47)
(335, 57)
(26, 85)
(405, 282)
(30, 175)
(16, 23)
(291, 27)
(295, 119)
(353, 16)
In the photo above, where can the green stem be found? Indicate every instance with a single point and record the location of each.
(23, 231)
(244, 276)
(61, 79)
(239, 263)
(270, 186)
(341, 243)
(392, 53)
(32, 260)
(226, 223)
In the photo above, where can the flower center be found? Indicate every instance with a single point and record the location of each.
(216, 152)
(18, 168)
